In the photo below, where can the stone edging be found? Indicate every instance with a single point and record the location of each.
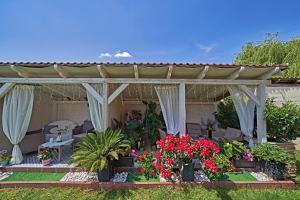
(115, 186)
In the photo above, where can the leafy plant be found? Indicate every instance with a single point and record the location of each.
(147, 165)
(151, 121)
(134, 128)
(233, 149)
(45, 153)
(96, 149)
(283, 122)
(226, 114)
(273, 153)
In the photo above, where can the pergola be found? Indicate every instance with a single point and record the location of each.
(249, 80)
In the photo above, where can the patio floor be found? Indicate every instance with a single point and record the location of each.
(31, 160)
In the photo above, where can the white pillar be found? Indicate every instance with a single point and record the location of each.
(261, 122)
(105, 106)
(182, 111)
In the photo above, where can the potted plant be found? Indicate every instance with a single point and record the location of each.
(239, 153)
(125, 161)
(45, 156)
(147, 165)
(209, 126)
(274, 160)
(4, 158)
(96, 151)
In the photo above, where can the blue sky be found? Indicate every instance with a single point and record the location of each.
(201, 31)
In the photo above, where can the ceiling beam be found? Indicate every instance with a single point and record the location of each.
(20, 71)
(61, 71)
(6, 88)
(136, 71)
(268, 74)
(57, 91)
(236, 73)
(169, 73)
(102, 71)
(116, 93)
(203, 73)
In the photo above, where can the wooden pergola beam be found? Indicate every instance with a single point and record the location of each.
(20, 71)
(6, 88)
(136, 71)
(236, 73)
(93, 92)
(203, 73)
(118, 91)
(132, 81)
(61, 71)
(169, 73)
(57, 91)
(268, 74)
(102, 71)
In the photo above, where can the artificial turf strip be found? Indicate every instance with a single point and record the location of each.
(34, 176)
(242, 176)
(138, 177)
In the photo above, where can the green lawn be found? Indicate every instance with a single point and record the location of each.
(34, 176)
(245, 176)
(164, 193)
(297, 155)
(137, 177)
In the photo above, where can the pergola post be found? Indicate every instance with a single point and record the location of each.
(105, 106)
(182, 110)
(261, 122)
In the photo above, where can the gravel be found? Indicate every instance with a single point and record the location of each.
(80, 177)
(4, 175)
(200, 176)
(260, 176)
(120, 177)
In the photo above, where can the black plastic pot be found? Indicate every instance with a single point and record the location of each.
(103, 175)
(242, 163)
(187, 172)
(125, 161)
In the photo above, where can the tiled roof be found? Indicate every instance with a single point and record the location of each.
(86, 64)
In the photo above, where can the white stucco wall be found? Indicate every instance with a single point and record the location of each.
(283, 93)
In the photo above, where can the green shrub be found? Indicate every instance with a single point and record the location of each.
(226, 114)
(283, 122)
(273, 153)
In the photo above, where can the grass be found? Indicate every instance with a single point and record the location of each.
(165, 193)
(297, 155)
(137, 177)
(245, 176)
(34, 176)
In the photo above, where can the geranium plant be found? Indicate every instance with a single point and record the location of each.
(147, 165)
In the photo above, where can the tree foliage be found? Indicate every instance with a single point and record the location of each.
(272, 51)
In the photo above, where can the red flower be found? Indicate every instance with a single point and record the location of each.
(142, 170)
(166, 173)
(169, 161)
(210, 165)
(153, 173)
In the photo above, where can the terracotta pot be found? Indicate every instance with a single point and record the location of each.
(46, 162)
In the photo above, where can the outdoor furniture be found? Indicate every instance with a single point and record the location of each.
(56, 145)
(63, 127)
(80, 132)
(194, 129)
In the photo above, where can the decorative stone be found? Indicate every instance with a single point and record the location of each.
(120, 177)
(200, 176)
(260, 176)
(80, 177)
(4, 175)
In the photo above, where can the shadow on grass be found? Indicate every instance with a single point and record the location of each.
(118, 194)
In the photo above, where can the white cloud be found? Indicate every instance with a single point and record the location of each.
(105, 55)
(206, 48)
(123, 54)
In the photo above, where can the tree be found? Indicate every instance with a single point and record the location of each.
(273, 51)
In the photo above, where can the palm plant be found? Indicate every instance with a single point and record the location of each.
(96, 149)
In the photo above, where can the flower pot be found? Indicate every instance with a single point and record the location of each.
(46, 162)
(125, 161)
(4, 163)
(242, 163)
(104, 175)
(187, 172)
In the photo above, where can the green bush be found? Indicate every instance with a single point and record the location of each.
(273, 153)
(283, 122)
(226, 114)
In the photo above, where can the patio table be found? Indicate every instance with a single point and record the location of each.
(56, 145)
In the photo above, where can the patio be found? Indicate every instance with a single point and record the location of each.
(76, 91)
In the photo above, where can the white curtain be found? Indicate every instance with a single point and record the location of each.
(169, 103)
(95, 108)
(245, 109)
(16, 114)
